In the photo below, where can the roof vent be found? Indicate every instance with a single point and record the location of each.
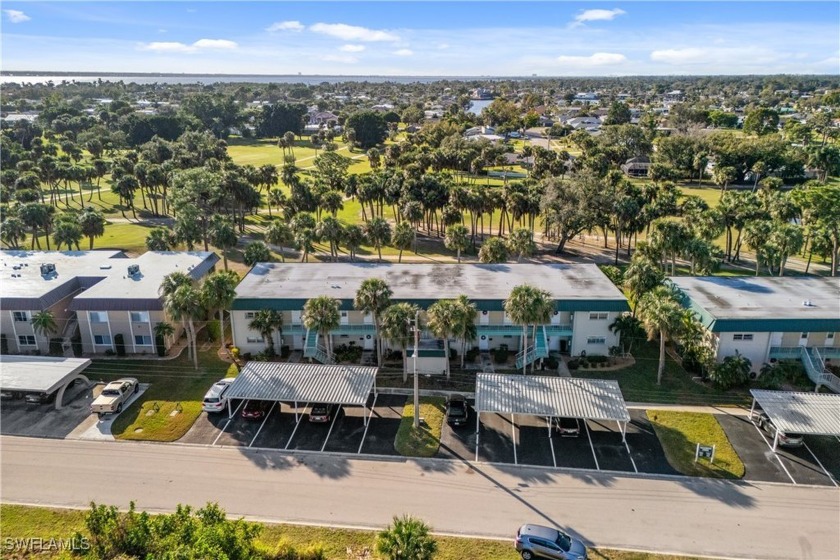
(133, 270)
(105, 267)
(47, 269)
(807, 303)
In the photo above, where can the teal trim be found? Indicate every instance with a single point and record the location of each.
(296, 304)
(775, 325)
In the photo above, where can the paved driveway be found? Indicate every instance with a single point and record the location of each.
(20, 418)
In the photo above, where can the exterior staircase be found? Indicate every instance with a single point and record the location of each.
(67, 337)
(816, 370)
(534, 352)
(311, 348)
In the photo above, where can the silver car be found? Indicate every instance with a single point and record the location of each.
(536, 541)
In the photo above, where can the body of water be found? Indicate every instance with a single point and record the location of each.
(478, 105)
(199, 79)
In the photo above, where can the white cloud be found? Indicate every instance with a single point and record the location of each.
(404, 52)
(344, 58)
(285, 26)
(16, 16)
(716, 55)
(598, 15)
(353, 32)
(176, 47)
(595, 59)
(214, 44)
(351, 48)
(443, 46)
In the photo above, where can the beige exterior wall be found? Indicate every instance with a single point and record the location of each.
(119, 322)
(13, 329)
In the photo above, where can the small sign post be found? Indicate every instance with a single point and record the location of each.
(705, 451)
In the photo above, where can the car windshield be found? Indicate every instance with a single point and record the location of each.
(319, 409)
(456, 410)
(111, 393)
(211, 400)
(564, 541)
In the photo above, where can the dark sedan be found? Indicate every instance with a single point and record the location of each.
(255, 409)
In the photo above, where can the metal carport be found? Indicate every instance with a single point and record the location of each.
(41, 374)
(815, 414)
(304, 383)
(553, 397)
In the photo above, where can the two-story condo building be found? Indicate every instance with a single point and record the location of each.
(585, 302)
(769, 318)
(93, 294)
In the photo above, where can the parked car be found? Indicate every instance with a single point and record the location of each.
(114, 395)
(10, 395)
(457, 410)
(321, 412)
(216, 398)
(567, 427)
(255, 409)
(39, 398)
(536, 541)
(785, 439)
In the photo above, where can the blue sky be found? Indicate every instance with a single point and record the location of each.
(424, 38)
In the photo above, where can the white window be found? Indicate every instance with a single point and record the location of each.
(26, 340)
(21, 316)
(102, 339)
(139, 316)
(254, 339)
(742, 337)
(803, 335)
(829, 336)
(600, 316)
(249, 314)
(596, 340)
(98, 316)
(142, 340)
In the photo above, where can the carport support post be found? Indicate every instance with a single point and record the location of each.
(477, 423)
(752, 408)
(775, 441)
(230, 412)
(622, 427)
(296, 412)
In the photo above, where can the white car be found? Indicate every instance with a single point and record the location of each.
(114, 395)
(216, 398)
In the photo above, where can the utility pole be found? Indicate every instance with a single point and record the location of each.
(416, 329)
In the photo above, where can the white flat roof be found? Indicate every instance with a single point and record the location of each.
(815, 414)
(533, 395)
(304, 383)
(426, 281)
(38, 374)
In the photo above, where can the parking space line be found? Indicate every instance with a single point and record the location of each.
(513, 432)
(267, 414)
(589, 437)
(828, 474)
(288, 443)
(551, 442)
(364, 435)
(776, 455)
(335, 417)
(629, 454)
(229, 420)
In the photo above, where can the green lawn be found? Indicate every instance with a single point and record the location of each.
(174, 386)
(680, 432)
(424, 441)
(638, 382)
(33, 522)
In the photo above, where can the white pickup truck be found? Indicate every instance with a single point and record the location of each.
(113, 396)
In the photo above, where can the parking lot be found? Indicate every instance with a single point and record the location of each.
(808, 464)
(285, 427)
(21, 418)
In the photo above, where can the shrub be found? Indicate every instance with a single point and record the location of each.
(56, 347)
(234, 352)
(732, 372)
(597, 359)
(285, 351)
(160, 346)
(347, 353)
(573, 364)
(472, 354)
(232, 370)
(771, 377)
(500, 355)
(110, 352)
(453, 353)
(551, 362)
(407, 539)
(119, 344)
(212, 331)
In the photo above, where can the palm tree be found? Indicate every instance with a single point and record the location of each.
(354, 237)
(396, 327)
(660, 315)
(278, 233)
(527, 305)
(642, 276)
(44, 324)
(331, 231)
(522, 243)
(160, 239)
(184, 304)
(374, 297)
(223, 236)
(441, 317)
(403, 238)
(67, 232)
(163, 330)
(407, 539)
(266, 321)
(493, 251)
(464, 328)
(378, 232)
(92, 223)
(13, 232)
(218, 292)
(457, 239)
(173, 281)
(628, 328)
(323, 314)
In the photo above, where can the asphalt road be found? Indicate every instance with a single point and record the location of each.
(679, 515)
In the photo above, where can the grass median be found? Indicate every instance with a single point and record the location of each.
(172, 403)
(425, 440)
(680, 432)
(22, 522)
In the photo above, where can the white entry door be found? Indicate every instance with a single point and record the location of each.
(483, 342)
